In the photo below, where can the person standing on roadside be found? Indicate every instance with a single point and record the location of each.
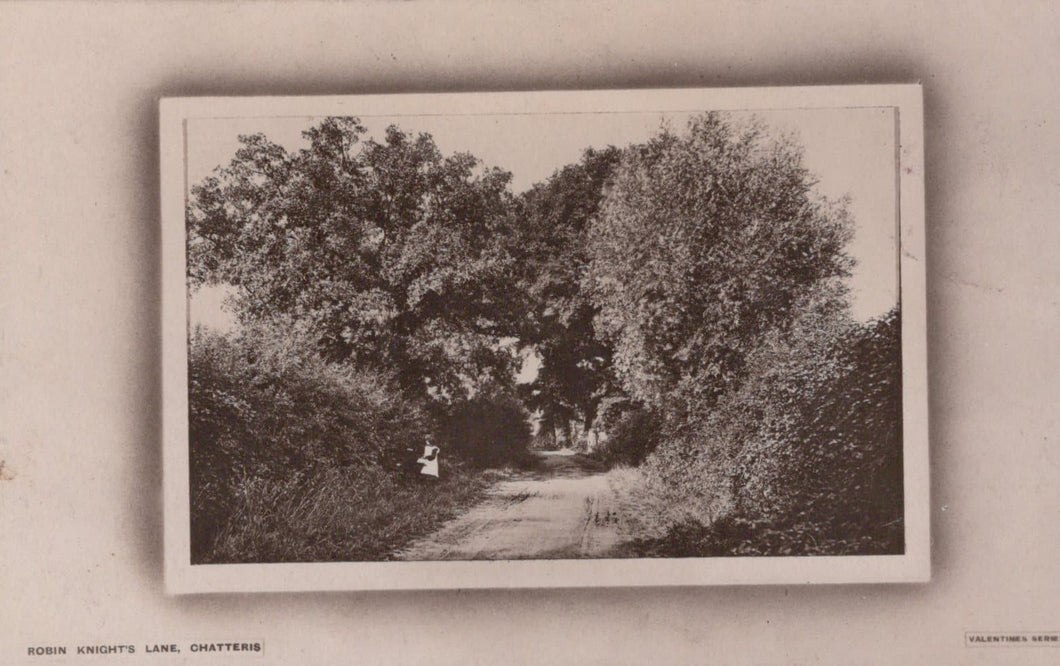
(429, 460)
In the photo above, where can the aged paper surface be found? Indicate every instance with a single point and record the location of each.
(81, 506)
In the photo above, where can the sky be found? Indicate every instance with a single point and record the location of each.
(850, 151)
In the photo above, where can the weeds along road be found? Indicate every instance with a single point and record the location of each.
(566, 507)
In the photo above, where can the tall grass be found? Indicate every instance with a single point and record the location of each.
(338, 515)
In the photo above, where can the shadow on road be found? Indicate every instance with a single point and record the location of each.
(564, 463)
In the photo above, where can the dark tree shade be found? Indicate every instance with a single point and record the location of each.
(555, 217)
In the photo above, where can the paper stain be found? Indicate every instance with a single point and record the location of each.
(6, 473)
(957, 279)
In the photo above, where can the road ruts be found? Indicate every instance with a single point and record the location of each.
(563, 509)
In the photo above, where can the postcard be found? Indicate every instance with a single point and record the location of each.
(544, 339)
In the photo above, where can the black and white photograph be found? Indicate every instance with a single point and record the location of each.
(640, 330)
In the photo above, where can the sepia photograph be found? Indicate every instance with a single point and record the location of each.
(614, 327)
(493, 332)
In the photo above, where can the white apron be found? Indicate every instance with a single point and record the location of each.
(429, 461)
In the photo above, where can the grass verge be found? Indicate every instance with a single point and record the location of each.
(340, 515)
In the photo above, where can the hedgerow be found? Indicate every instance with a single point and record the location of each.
(804, 458)
(265, 412)
(632, 434)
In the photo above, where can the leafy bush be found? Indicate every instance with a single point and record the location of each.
(809, 447)
(842, 457)
(705, 243)
(489, 430)
(264, 409)
(631, 437)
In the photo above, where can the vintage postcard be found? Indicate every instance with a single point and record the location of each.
(544, 339)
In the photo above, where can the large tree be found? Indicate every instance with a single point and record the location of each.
(705, 242)
(575, 363)
(391, 254)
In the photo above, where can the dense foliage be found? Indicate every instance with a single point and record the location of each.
(491, 429)
(686, 298)
(630, 437)
(705, 243)
(806, 457)
(265, 408)
(554, 218)
(293, 458)
(390, 254)
(719, 280)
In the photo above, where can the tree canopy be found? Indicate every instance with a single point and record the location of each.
(648, 271)
(703, 243)
(555, 216)
(390, 253)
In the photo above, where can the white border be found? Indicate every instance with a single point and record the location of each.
(914, 566)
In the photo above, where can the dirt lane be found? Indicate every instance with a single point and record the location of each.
(564, 508)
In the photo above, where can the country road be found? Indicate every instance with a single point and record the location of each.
(566, 507)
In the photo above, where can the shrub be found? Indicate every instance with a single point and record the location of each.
(809, 446)
(264, 409)
(489, 430)
(842, 457)
(631, 436)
